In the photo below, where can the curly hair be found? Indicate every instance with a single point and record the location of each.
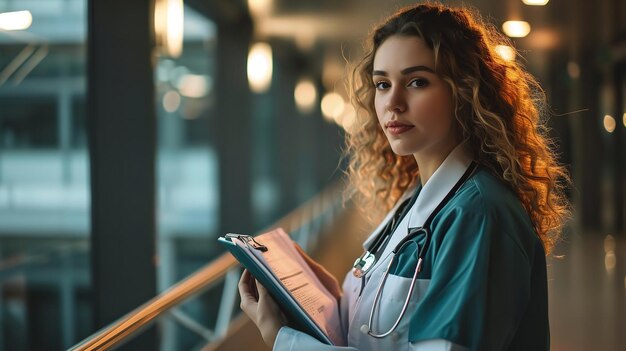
(498, 107)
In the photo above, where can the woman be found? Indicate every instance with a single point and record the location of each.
(450, 140)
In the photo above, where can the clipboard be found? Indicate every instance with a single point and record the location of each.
(240, 246)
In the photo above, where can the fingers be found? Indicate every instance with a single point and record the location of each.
(244, 286)
(248, 295)
(259, 306)
(266, 300)
(263, 295)
(268, 307)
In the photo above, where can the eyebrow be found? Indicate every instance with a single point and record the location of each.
(405, 71)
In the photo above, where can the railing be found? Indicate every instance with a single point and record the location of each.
(303, 224)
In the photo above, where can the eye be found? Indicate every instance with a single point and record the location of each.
(418, 83)
(381, 85)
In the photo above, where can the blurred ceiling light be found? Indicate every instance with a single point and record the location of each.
(338, 120)
(169, 18)
(260, 67)
(624, 119)
(609, 123)
(506, 52)
(609, 261)
(260, 8)
(171, 101)
(573, 70)
(17, 20)
(516, 29)
(332, 106)
(193, 85)
(535, 2)
(609, 243)
(305, 95)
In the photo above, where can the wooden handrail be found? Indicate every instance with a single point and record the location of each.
(141, 317)
(146, 313)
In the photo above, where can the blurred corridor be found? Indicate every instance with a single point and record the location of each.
(587, 289)
(134, 133)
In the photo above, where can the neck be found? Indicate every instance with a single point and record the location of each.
(429, 161)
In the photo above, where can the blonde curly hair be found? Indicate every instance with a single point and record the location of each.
(497, 105)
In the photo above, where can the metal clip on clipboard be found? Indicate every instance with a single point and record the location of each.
(248, 240)
(254, 256)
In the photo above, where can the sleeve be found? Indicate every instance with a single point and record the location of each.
(436, 345)
(480, 284)
(290, 339)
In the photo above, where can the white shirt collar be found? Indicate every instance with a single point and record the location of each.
(439, 184)
(436, 188)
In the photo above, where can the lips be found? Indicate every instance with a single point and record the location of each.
(397, 128)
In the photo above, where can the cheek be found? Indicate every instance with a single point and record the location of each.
(433, 109)
(379, 106)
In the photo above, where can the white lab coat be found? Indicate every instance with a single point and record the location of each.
(355, 309)
(485, 267)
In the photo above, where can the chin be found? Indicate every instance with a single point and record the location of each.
(401, 151)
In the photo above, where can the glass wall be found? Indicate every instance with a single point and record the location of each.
(44, 196)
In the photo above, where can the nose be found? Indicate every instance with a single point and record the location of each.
(395, 102)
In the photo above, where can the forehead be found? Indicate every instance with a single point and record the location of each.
(399, 52)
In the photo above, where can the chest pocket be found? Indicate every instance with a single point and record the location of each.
(388, 308)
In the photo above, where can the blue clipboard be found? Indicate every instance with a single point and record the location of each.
(296, 315)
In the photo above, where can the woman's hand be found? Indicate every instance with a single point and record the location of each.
(261, 308)
(327, 279)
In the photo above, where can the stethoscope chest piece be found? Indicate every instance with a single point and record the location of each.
(363, 264)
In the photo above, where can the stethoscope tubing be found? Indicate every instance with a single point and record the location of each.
(414, 232)
(404, 306)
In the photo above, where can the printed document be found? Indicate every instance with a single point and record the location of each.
(282, 261)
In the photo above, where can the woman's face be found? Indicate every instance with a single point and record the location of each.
(413, 104)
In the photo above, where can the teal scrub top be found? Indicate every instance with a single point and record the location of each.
(487, 271)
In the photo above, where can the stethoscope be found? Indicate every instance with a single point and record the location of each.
(366, 261)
